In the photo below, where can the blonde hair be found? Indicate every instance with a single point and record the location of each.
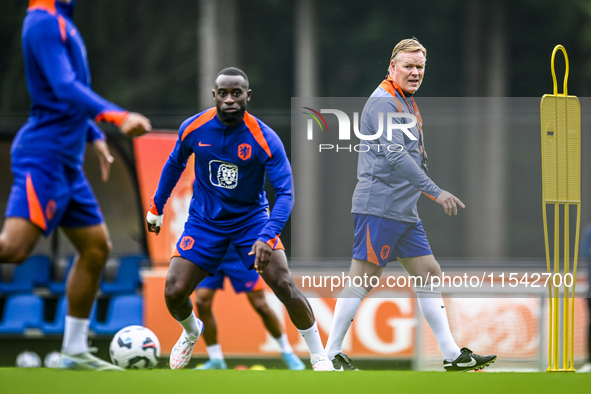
(407, 45)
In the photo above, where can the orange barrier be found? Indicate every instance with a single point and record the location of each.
(151, 152)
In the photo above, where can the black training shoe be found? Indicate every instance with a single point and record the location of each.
(468, 361)
(341, 362)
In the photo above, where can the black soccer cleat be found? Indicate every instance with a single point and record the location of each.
(341, 362)
(468, 361)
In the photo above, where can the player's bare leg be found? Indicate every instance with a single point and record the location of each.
(433, 309)
(345, 311)
(17, 240)
(258, 301)
(203, 301)
(276, 275)
(424, 266)
(93, 246)
(183, 276)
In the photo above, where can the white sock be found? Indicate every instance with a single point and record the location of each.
(312, 338)
(344, 313)
(433, 309)
(75, 335)
(215, 352)
(283, 343)
(192, 326)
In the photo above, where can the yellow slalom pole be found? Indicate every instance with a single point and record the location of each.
(566, 304)
(560, 116)
(572, 315)
(546, 242)
(556, 291)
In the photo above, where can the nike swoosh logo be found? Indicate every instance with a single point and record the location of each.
(202, 144)
(442, 306)
(339, 370)
(470, 364)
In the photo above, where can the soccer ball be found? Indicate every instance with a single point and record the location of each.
(28, 359)
(52, 359)
(135, 347)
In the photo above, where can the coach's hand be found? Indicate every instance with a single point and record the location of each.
(135, 124)
(262, 253)
(449, 202)
(154, 222)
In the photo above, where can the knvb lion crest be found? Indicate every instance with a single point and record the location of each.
(223, 174)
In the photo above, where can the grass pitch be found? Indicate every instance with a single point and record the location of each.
(47, 381)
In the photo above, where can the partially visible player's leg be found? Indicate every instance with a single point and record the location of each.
(277, 276)
(183, 276)
(259, 302)
(93, 246)
(25, 216)
(203, 301)
(17, 239)
(346, 309)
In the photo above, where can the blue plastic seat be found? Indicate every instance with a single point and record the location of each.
(59, 321)
(123, 311)
(127, 279)
(21, 311)
(59, 287)
(33, 272)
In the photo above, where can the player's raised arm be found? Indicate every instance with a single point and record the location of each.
(48, 46)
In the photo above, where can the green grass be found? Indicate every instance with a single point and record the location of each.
(47, 381)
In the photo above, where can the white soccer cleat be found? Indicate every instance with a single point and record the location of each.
(183, 349)
(321, 363)
(85, 361)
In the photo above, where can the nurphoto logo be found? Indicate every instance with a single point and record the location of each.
(393, 120)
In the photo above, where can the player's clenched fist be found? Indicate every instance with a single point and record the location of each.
(154, 218)
(154, 222)
(135, 125)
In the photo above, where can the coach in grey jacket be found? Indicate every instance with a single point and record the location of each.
(391, 173)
